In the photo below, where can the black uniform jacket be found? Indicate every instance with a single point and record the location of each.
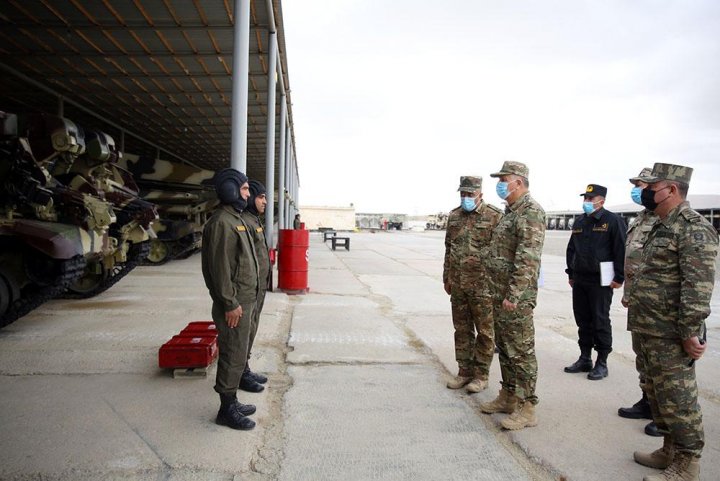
(598, 237)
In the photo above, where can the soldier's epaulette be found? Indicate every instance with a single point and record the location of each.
(496, 209)
(258, 229)
(240, 228)
(691, 215)
(456, 209)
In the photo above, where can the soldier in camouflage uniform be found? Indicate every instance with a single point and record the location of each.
(252, 215)
(230, 271)
(468, 232)
(670, 296)
(636, 236)
(513, 265)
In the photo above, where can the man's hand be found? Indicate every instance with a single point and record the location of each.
(693, 348)
(508, 306)
(233, 317)
(615, 285)
(571, 282)
(624, 302)
(448, 287)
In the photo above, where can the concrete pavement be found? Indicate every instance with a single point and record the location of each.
(357, 371)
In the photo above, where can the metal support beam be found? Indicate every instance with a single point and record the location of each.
(270, 142)
(80, 106)
(281, 162)
(241, 69)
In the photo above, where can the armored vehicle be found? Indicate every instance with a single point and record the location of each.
(47, 231)
(97, 173)
(184, 197)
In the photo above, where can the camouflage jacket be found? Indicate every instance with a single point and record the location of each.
(671, 289)
(229, 263)
(261, 249)
(467, 235)
(637, 234)
(513, 261)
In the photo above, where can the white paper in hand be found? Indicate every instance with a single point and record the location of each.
(607, 273)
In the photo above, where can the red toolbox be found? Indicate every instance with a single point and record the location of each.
(187, 352)
(199, 329)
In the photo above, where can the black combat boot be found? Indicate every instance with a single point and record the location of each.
(600, 370)
(249, 384)
(229, 414)
(583, 364)
(639, 410)
(651, 429)
(257, 377)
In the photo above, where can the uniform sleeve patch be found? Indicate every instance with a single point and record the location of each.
(698, 237)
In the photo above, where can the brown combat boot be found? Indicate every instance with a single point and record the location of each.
(658, 459)
(684, 467)
(464, 377)
(521, 418)
(478, 384)
(504, 403)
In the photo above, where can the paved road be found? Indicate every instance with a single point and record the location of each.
(357, 371)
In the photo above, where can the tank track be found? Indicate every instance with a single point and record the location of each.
(70, 270)
(136, 254)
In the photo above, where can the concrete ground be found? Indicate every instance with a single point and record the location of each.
(357, 371)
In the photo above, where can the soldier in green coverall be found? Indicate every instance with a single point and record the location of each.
(230, 270)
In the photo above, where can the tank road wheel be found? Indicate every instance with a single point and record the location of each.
(93, 276)
(159, 252)
(5, 296)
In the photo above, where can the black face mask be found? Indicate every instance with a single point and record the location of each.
(647, 198)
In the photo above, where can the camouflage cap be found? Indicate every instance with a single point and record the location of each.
(671, 172)
(470, 183)
(643, 173)
(511, 167)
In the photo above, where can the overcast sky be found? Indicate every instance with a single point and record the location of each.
(394, 100)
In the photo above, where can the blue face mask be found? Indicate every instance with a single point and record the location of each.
(468, 204)
(588, 207)
(635, 195)
(502, 190)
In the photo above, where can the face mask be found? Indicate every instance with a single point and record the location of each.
(647, 198)
(468, 204)
(502, 190)
(635, 195)
(588, 207)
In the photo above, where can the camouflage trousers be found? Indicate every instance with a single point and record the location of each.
(639, 364)
(515, 339)
(672, 391)
(233, 347)
(473, 322)
(256, 318)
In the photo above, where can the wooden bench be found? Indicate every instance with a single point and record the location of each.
(328, 234)
(341, 241)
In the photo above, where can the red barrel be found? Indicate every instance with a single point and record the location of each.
(293, 255)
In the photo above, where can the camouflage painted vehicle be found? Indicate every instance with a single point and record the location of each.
(47, 230)
(184, 197)
(97, 173)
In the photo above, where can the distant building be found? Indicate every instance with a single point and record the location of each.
(707, 205)
(328, 217)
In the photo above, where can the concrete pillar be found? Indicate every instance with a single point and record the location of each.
(270, 140)
(240, 75)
